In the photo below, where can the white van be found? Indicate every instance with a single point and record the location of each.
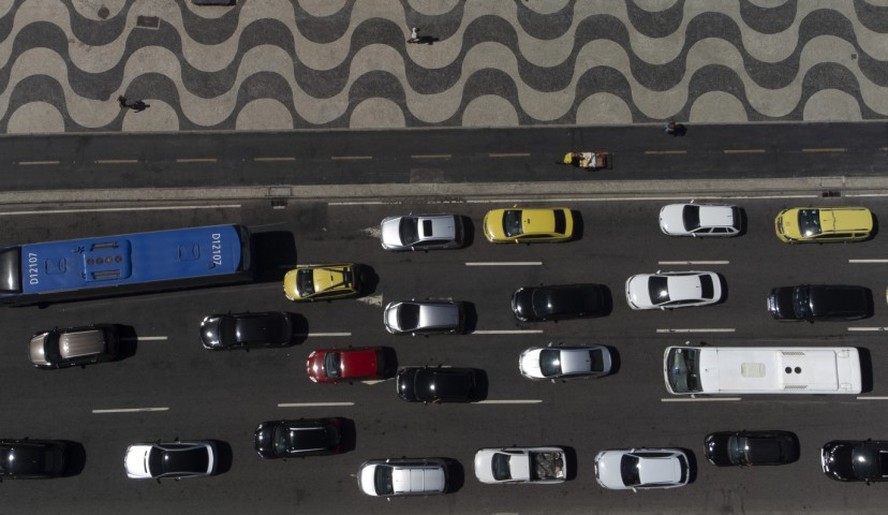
(759, 370)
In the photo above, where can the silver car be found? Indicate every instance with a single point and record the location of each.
(404, 476)
(424, 317)
(565, 362)
(700, 220)
(422, 232)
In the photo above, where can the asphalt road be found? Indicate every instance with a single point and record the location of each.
(441, 156)
(223, 396)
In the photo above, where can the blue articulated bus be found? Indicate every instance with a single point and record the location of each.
(40, 273)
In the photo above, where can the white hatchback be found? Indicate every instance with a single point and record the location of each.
(670, 290)
(631, 469)
(403, 476)
(700, 220)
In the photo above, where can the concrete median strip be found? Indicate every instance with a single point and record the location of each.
(812, 187)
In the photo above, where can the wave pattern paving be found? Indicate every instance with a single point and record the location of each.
(304, 64)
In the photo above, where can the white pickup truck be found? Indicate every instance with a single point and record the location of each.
(521, 465)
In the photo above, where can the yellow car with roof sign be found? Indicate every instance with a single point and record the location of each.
(824, 225)
(528, 225)
(312, 282)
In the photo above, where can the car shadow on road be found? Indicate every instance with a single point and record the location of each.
(273, 254)
(224, 456)
(866, 370)
(128, 341)
(456, 475)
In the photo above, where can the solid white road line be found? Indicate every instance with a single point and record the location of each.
(350, 158)
(824, 150)
(700, 399)
(868, 260)
(511, 401)
(274, 159)
(872, 398)
(323, 335)
(697, 330)
(129, 410)
(144, 338)
(313, 404)
(116, 161)
(744, 151)
(665, 152)
(508, 331)
(628, 198)
(504, 263)
(873, 329)
(430, 156)
(27, 163)
(516, 154)
(724, 262)
(196, 160)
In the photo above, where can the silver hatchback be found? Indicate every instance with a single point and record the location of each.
(421, 232)
(424, 317)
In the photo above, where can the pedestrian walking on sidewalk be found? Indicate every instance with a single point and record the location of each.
(414, 36)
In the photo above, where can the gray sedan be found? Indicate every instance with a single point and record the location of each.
(421, 232)
(424, 317)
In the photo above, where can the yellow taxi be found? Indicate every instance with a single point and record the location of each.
(528, 225)
(312, 282)
(823, 224)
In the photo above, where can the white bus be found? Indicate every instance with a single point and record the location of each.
(759, 370)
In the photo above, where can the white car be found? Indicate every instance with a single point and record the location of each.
(669, 290)
(631, 469)
(403, 476)
(565, 362)
(421, 232)
(521, 465)
(700, 220)
(175, 460)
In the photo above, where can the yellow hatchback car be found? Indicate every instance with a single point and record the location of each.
(312, 282)
(528, 225)
(824, 225)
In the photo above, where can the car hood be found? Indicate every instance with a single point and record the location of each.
(671, 220)
(780, 303)
(607, 469)
(38, 349)
(637, 292)
(716, 448)
(136, 461)
(522, 303)
(529, 363)
(390, 233)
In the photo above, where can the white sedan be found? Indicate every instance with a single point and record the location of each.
(700, 220)
(174, 460)
(564, 363)
(631, 469)
(669, 290)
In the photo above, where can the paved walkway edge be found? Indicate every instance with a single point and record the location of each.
(546, 191)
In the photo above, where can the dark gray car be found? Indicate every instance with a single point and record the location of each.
(246, 330)
(820, 302)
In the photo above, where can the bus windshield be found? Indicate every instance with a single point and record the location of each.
(682, 370)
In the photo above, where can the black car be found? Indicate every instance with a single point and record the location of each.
(246, 330)
(535, 303)
(439, 384)
(747, 448)
(32, 459)
(855, 460)
(298, 438)
(820, 302)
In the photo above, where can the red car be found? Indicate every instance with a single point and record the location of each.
(334, 365)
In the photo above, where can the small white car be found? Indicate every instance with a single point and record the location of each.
(670, 290)
(421, 232)
(403, 476)
(700, 220)
(542, 465)
(561, 362)
(631, 469)
(174, 460)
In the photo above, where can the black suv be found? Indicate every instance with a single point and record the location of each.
(820, 302)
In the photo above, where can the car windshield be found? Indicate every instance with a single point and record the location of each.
(550, 362)
(560, 221)
(408, 316)
(512, 223)
(682, 372)
(737, 450)
(629, 470)
(383, 480)
(500, 467)
(690, 215)
(809, 222)
(333, 364)
(658, 290)
(305, 282)
(408, 230)
(801, 303)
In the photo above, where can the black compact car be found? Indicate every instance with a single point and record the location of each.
(820, 302)
(748, 448)
(855, 460)
(539, 303)
(439, 384)
(32, 459)
(236, 330)
(298, 438)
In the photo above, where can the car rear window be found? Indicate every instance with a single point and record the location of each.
(707, 289)
(560, 221)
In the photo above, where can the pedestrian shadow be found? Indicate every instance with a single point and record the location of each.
(424, 40)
